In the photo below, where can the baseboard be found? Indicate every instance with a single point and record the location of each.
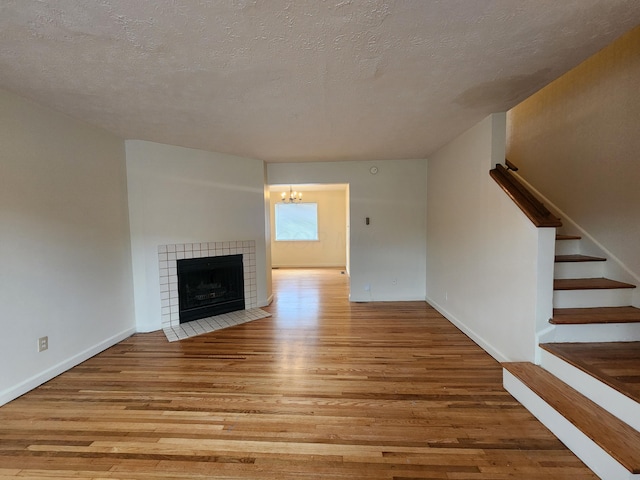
(366, 298)
(482, 343)
(321, 265)
(14, 392)
(148, 327)
(268, 302)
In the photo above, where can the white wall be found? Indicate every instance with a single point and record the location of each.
(182, 195)
(267, 235)
(392, 246)
(64, 243)
(330, 249)
(489, 269)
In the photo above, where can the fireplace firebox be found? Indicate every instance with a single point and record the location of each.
(210, 286)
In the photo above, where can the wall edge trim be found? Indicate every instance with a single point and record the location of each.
(34, 381)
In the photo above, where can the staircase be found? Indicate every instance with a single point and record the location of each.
(586, 389)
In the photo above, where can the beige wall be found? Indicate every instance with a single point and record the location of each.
(578, 141)
(330, 249)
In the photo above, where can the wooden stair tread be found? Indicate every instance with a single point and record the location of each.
(616, 364)
(568, 237)
(588, 284)
(578, 258)
(578, 316)
(614, 436)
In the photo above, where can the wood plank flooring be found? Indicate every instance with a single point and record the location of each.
(323, 389)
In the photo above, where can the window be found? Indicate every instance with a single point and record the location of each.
(296, 221)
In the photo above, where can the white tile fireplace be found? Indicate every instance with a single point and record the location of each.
(168, 255)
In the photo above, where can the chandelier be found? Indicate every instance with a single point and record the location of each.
(293, 197)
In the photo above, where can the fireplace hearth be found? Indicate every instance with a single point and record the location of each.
(210, 286)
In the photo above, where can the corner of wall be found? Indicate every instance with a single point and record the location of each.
(498, 138)
(470, 224)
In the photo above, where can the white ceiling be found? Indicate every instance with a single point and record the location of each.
(297, 80)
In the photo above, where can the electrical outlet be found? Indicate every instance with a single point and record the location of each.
(43, 344)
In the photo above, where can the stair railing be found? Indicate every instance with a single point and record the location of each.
(522, 197)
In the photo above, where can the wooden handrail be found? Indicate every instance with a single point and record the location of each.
(510, 166)
(524, 199)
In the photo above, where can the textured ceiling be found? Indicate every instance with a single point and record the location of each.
(297, 80)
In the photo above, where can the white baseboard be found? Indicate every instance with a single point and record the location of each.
(367, 298)
(268, 302)
(486, 346)
(14, 392)
(320, 265)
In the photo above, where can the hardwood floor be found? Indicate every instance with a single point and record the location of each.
(323, 389)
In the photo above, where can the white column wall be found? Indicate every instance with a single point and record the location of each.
(486, 261)
(180, 195)
(386, 257)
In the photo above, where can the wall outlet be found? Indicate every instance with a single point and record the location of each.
(43, 344)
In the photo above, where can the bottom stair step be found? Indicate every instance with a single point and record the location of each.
(620, 441)
(616, 364)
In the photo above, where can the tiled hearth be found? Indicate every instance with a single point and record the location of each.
(210, 324)
(168, 255)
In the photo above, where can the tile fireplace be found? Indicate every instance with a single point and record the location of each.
(168, 256)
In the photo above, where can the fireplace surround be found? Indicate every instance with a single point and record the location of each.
(168, 255)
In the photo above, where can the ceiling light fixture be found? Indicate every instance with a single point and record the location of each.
(294, 197)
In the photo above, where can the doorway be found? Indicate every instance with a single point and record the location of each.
(330, 246)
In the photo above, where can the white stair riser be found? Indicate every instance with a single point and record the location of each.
(615, 297)
(567, 247)
(604, 332)
(611, 400)
(578, 270)
(598, 460)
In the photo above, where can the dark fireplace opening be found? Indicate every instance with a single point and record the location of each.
(210, 286)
